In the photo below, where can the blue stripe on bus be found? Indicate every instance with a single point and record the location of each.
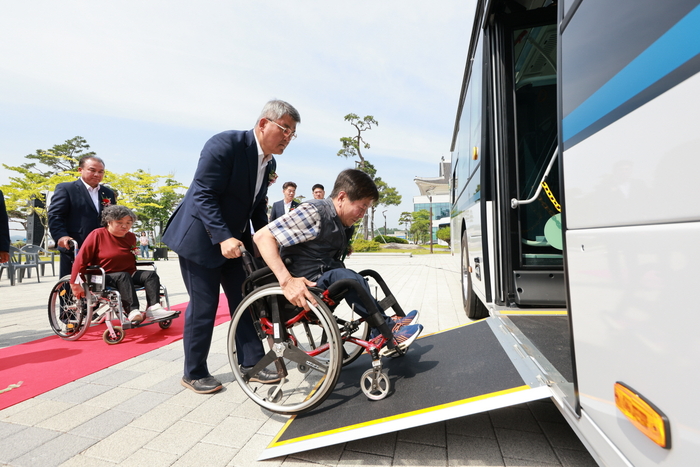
(678, 45)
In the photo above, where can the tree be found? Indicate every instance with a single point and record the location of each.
(444, 235)
(139, 190)
(388, 196)
(351, 145)
(421, 225)
(143, 193)
(406, 218)
(61, 158)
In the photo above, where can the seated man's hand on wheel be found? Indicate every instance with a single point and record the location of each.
(77, 290)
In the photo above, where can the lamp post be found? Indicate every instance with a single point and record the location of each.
(384, 214)
(430, 228)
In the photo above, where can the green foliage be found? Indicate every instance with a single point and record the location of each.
(351, 146)
(360, 245)
(444, 234)
(421, 225)
(151, 200)
(389, 239)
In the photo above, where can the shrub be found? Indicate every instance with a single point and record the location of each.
(389, 239)
(361, 245)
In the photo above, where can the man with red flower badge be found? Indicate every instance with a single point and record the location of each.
(75, 209)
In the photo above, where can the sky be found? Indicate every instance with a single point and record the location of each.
(147, 83)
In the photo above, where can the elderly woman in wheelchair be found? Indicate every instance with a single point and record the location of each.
(105, 272)
(294, 304)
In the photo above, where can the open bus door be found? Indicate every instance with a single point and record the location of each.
(528, 260)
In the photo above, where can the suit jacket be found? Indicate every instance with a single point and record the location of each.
(221, 202)
(4, 226)
(278, 209)
(73, 213)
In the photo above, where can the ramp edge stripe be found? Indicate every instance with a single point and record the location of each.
(512, 397)
(395, 417)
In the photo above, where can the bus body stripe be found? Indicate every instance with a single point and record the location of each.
(674, 48)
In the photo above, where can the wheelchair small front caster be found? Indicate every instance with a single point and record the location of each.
(165, 324)
(375, 384)
(117, 338)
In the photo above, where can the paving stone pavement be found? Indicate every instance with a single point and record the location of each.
(137, 413)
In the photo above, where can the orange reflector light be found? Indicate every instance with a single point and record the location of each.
(643, 415)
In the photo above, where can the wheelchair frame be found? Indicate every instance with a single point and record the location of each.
(308, 347)
(70, 318)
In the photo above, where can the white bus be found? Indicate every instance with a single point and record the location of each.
(575, 159)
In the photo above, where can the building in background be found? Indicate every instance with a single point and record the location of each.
(435, 192)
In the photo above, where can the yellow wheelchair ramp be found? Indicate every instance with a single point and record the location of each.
(450, 374)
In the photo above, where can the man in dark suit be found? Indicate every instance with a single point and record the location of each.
(283, 206)
(4, 232)
(76, 208)
(212, 222)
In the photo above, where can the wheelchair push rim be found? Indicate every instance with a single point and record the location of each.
(311, 374)
(67, 315)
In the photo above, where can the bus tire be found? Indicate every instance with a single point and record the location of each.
(473, 306)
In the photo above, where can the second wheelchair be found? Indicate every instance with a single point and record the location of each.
(70, 317)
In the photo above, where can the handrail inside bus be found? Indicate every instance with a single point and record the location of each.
(514, 203)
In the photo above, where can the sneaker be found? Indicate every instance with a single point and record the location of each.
(135, 316)
(399, 321)
(403, 338)
(158, 312)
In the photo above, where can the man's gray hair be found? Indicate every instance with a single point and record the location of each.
(276, 109)
(114, 212)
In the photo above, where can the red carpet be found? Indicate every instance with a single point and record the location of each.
(48, 363)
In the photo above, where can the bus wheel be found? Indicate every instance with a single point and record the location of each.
(473, 306)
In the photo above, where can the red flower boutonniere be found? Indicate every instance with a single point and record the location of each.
(106, 202)
(135, 250)
(272, 178)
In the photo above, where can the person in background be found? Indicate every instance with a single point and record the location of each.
(318, 191)
(113, 248)
(211, 224)
(143, 245)
(76, 207)
(283, 206)
(4, 231)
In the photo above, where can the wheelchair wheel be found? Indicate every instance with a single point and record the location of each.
(165, 324)
(310, 369)
(118, 335)
(67, 315)
(350, 326)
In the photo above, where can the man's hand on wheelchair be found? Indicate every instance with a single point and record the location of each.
(297, 293)
(230, 248)
(77, 290)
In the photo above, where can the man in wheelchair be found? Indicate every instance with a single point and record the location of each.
(315, 237)
(114, 248)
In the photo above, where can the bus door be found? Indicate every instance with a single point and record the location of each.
(529, 262)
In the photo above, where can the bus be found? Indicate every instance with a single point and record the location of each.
(574, 157)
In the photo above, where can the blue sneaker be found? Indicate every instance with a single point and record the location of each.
(403, 338)
(410, 318)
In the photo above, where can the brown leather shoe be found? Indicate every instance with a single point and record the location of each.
(206, 385)
(264, 376)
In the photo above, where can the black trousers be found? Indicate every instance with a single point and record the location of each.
(203, 287)
(126, 284)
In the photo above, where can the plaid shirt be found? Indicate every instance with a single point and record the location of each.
(301, 225)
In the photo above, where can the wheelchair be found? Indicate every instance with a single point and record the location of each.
(309, 348)
(71, 317)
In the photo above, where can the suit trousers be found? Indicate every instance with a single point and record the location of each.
(202, 284)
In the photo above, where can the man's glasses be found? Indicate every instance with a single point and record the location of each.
(287, 132)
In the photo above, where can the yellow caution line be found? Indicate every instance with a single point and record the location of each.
(274, 442)
(534, 312)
